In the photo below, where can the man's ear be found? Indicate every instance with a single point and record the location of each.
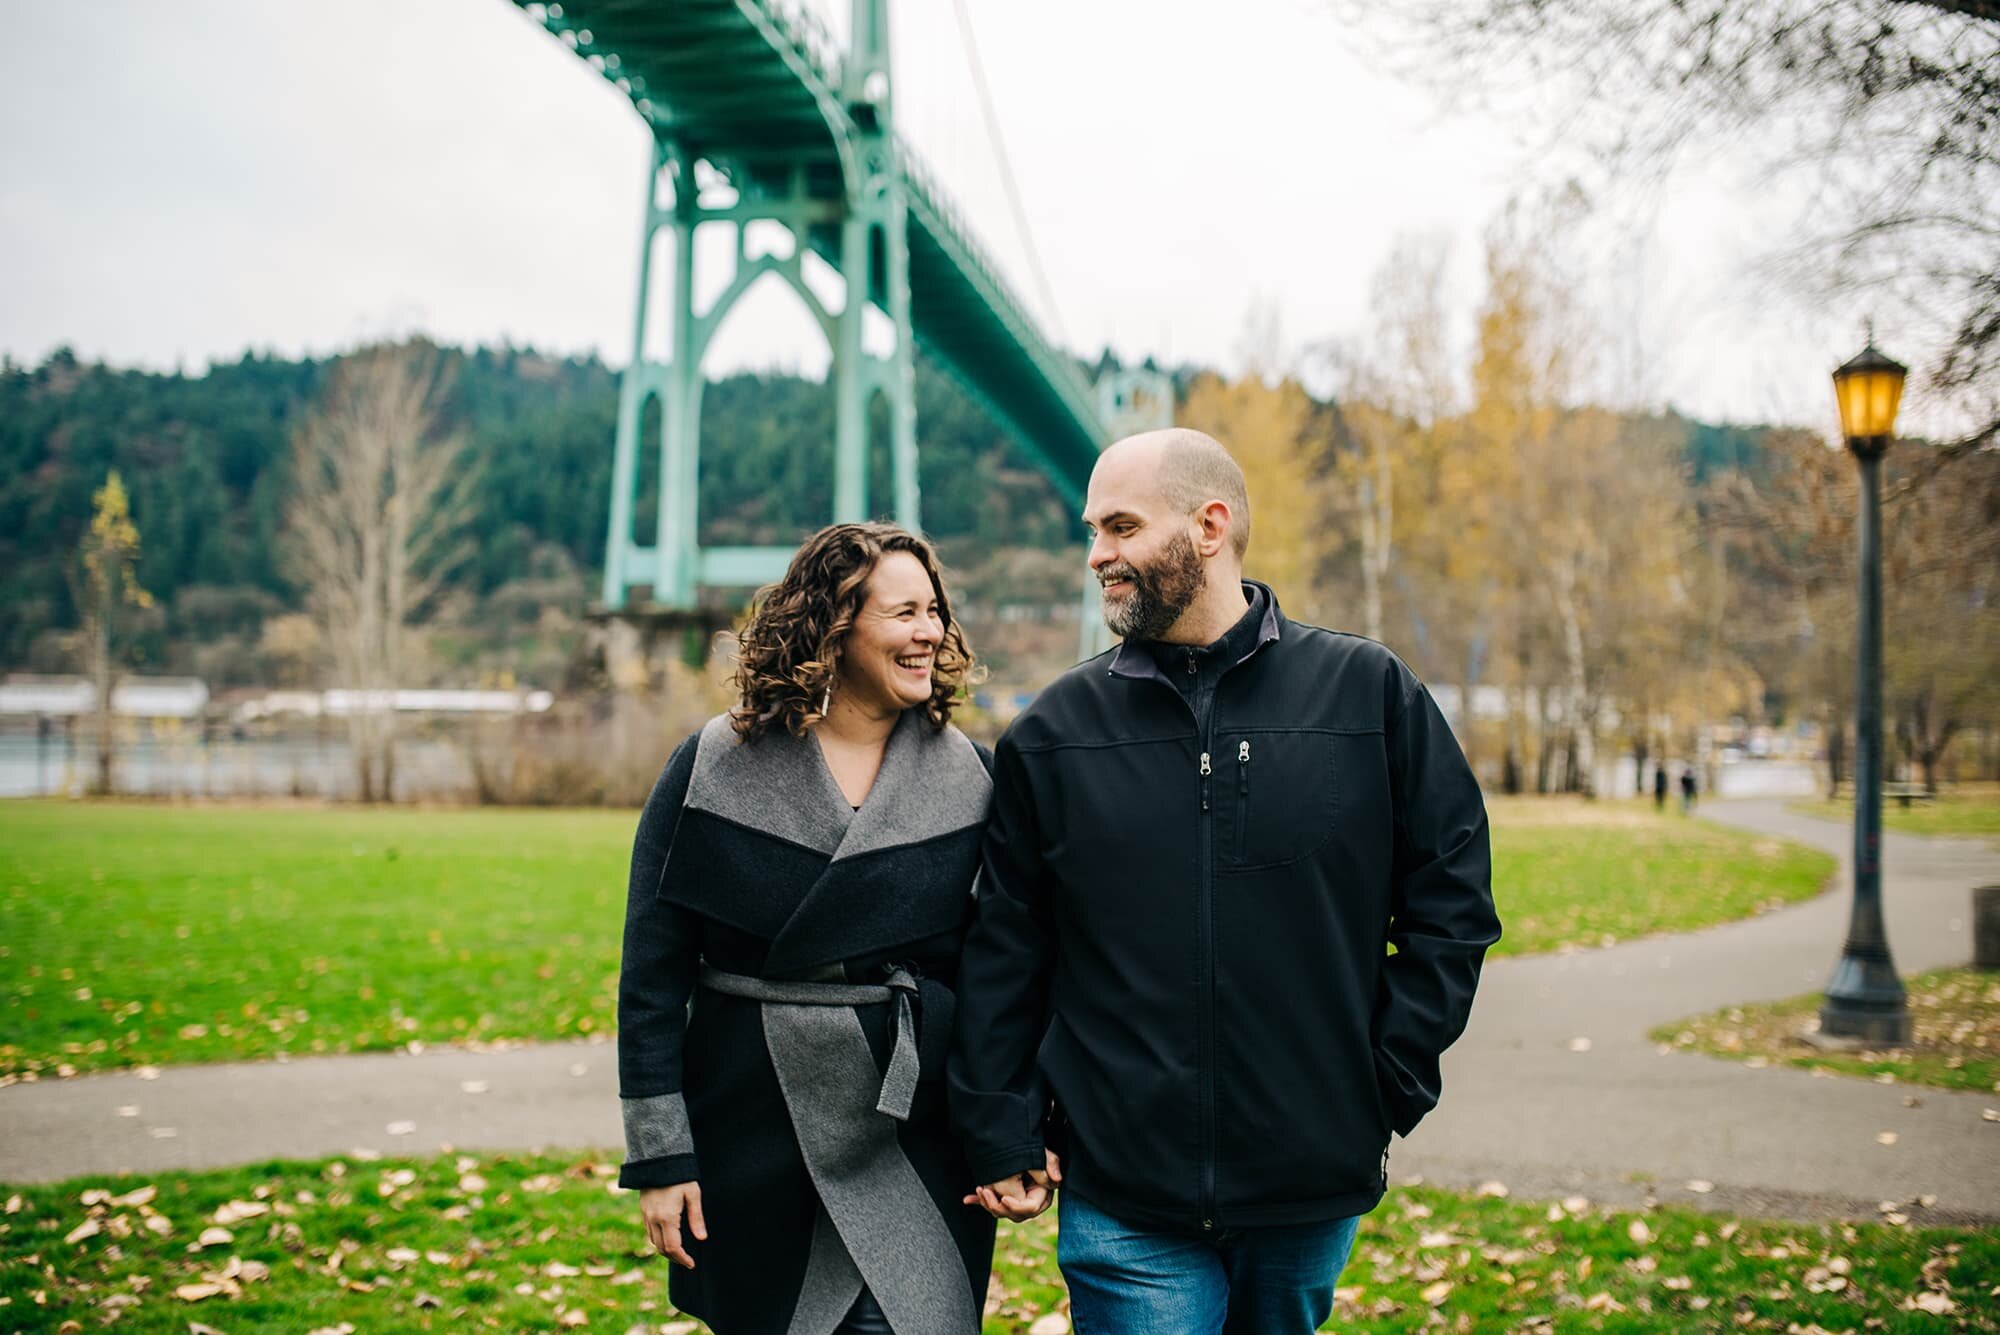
(1212, 523)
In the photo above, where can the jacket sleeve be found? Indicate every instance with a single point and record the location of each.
(1441, 916)
(999, 1101)
(662, 954)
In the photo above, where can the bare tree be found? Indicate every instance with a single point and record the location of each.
(373, 531)
(110, 581)
(1392, 390)
(1891, 106)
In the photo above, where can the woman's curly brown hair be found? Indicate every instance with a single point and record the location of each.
(789, 651)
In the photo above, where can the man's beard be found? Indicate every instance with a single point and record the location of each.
(1161, 590)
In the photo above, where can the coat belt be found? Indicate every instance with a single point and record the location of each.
(899, 1082)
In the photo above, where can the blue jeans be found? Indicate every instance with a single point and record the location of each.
(1245, 1281)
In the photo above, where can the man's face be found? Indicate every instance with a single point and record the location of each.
(1141, 551)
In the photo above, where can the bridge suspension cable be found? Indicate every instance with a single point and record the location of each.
(999, 145)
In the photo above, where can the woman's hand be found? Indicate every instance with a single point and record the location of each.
(661, 1208)
(1022, 1196)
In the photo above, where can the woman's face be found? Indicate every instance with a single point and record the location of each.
(887, 658)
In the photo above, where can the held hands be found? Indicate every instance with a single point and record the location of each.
(1022, 1196)
(661, 1208)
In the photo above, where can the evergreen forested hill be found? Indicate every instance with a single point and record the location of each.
(207, 460)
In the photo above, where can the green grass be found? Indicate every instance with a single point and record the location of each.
(1955, 1021)
(508, 1242)
(1969, 810)
(1571, 874)
(134, 934)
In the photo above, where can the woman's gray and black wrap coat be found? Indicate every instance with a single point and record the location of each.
(749, 861)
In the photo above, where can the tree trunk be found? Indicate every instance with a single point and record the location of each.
(101, 677)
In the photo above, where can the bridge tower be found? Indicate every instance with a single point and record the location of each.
(857, 217)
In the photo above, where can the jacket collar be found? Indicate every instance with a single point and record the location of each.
(1138, 659)
(931, 782)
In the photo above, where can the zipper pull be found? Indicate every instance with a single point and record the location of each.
(1243, 752)
(1204, 765)
(1190, 661)
(1243, 768)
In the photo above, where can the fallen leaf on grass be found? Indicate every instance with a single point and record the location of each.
(1497, 1190)
(14, 1204)
(1638, 1232)
(1937, 1304)
(89, 1228)
(235, 1212)
(135, 1197)
(1437, 1293)
(557, 1270)
(214, 1237)
(194, 1293)
(196, 1328)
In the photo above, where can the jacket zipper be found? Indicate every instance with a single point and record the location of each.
(1242, 799)
(1206, 1025)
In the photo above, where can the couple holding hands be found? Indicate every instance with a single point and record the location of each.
(1186, 946)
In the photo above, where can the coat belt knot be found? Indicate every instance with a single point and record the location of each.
(899, 1082)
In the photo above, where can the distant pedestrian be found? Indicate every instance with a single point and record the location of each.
(1687, 789)
(1660, 785)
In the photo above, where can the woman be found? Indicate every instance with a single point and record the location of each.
(803, 871)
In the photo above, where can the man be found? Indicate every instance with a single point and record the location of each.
(1177, 999)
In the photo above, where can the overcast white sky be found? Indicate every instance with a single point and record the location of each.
(181, 182)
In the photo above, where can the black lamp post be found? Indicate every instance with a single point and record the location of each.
(1865, 1001)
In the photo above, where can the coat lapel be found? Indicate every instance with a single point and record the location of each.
(883, 882)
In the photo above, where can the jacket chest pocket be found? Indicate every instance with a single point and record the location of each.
(1281, 790)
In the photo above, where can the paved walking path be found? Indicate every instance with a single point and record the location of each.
(1612, 1123)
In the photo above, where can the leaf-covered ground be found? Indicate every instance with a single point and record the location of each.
(1968, 809)
(1955, 1034)
(504, 1242)
(135, 934)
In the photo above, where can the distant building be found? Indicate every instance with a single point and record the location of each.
(31, 695)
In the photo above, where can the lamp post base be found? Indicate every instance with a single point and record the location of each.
(1865, 1001)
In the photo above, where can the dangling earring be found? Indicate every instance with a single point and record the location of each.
(826, 699)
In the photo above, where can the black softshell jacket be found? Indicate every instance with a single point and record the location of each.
(1180, 971)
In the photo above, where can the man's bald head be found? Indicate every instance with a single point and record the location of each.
(1194, 468)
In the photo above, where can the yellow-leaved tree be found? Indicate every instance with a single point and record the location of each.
(1275, 435)
(111, 581)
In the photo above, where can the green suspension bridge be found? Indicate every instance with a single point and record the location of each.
(757, 117)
